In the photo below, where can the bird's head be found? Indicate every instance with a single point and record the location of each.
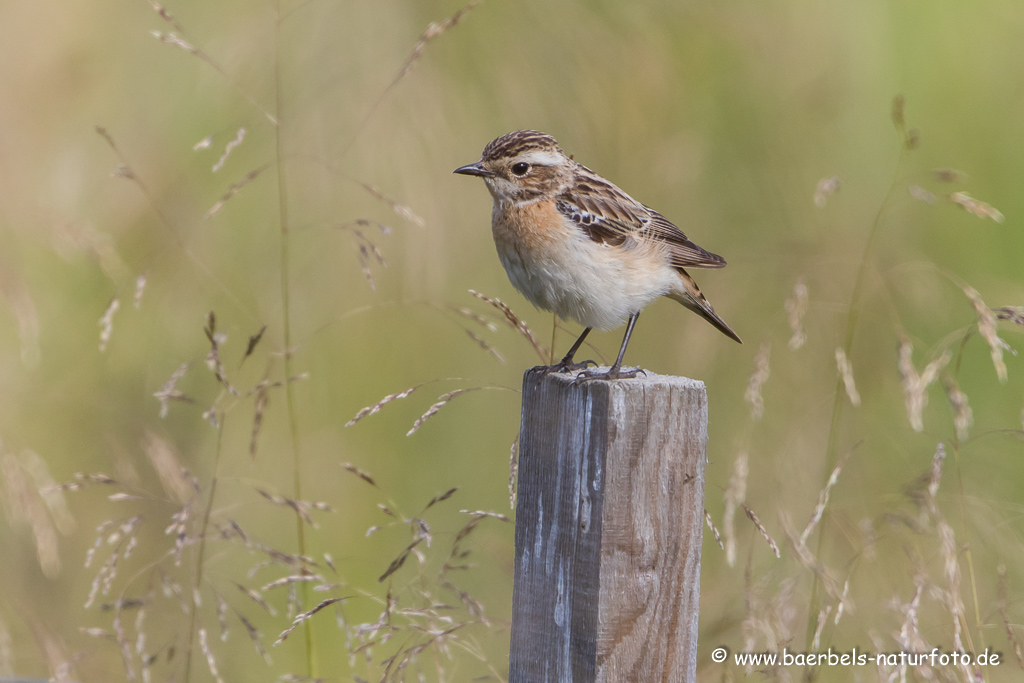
(525, 165)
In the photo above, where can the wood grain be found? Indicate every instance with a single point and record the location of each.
(608, 529)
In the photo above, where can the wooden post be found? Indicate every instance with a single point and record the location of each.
(609, 519)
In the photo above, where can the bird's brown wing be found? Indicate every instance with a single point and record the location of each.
(608, 215)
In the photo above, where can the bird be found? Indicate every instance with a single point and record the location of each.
(575, 244)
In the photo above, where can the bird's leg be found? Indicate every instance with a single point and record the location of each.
(616, 371)
(566, 364)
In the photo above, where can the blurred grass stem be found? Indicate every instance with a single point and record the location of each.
(201, 554)
(839, 392)
(282, 203)
(961, 498)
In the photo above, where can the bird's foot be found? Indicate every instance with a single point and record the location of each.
(610, 374)
(565, 365)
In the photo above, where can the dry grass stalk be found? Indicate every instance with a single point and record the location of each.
(978, 208)
(259, 408)
(176, 40)
(289, 580)
(301, 507)
(714, 529)
(440, 498)
(25, 505)
(211, 662)
(171, 588)
(179, 529)
(191, 49)
(867, 530)
(921, 194)
(762, 370)
(442, 401)
(234, 142)
(257, 598)
(515, 321)
(169, 393)
(513, 471)
(809, 561)
(222, 616)
(400, 209)
(434, 30)
(175, 479)
(825, 188)
(770, 614)
(486, 513)
(375, 408)
(1003, 606)
(482, 343)
(735, 495)
(963, 416)
(304, 616)
(106, 322)
(909, 636)
(796, 307)
(103, 580)
(254, 340)
(475, 317)
(823, 496)
(97, 633)
(948, 175)
(987, 328)
(899, 103)
(140, 288)
(912, 139)
(841, 606)
(51, 494)
(365, 249)
(822, 618)
(122, 497)
(764, 532)
(140, 646)
(1013, 314)
(362, 474)
(213, 361)
(125, 647)
(27, 318)
(915, 387)
(954, 599)
(234, 189)
(255, 637)
(57, 660)
(846, 372)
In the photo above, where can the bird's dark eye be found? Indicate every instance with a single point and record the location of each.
(521, 168)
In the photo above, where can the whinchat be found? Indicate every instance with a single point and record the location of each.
(575, 244)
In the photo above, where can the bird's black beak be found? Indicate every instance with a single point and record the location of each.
(473, 169)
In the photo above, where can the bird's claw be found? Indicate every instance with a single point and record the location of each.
(611, 374)
(565, 365)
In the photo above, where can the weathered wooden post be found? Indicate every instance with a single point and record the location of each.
(609, 519)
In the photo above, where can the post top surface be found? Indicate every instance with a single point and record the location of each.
(645, 378)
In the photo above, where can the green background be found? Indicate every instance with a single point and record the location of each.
(723, 116)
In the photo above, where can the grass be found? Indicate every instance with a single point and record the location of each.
(288, 168)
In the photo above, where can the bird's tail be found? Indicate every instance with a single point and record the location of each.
(689, 295)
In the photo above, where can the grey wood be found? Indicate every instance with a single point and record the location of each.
(608, 529)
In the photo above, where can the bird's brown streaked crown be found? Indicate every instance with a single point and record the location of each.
(519, 141)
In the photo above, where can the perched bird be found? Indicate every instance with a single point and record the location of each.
(574, 243)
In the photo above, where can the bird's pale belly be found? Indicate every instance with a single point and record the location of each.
(596, 285)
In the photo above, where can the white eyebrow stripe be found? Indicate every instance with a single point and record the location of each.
(542, 158)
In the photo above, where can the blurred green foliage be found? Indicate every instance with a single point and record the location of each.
(723, 116)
